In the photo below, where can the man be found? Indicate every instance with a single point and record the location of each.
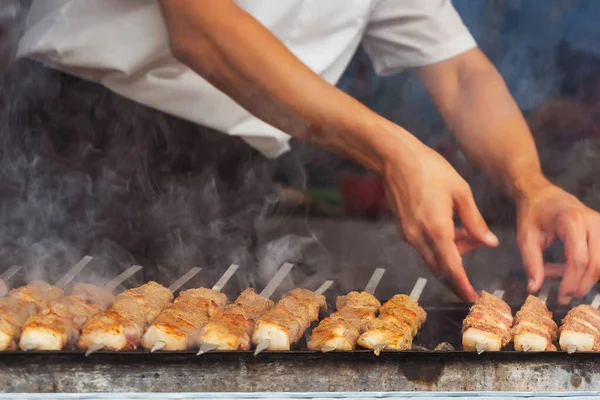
(269, 67)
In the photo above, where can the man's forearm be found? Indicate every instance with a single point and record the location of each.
(236, 54)
(486, 122)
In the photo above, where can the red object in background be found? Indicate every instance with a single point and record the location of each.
(362, 195)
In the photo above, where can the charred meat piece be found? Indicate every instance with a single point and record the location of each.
(534, 329)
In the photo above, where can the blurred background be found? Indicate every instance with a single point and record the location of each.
(331, 213)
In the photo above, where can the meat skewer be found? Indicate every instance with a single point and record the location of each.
(59, 323)
(285, 324)
(178, 325)
(26, 301)
(231, 329)
(580, 329)
(121, 327)
(487, 326)
(399, 320)
(341, 330)
(534, 329)
(6, 275)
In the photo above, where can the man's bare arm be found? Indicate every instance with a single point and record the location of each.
(485, 120)
(236, 54)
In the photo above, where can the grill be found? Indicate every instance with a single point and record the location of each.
(301, 370)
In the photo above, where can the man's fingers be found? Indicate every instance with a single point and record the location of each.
(533, 259)
(450, 261)
(472, 220)
(554, 270)
(464, 242)
(572, 232)
(592, 273)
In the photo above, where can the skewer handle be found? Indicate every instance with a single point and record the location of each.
(122, 277)
(596, 301)
(72, 273)
(323, 288)
(225, 278)
(374, 281)
(499, 294)
(276, 280)
(9, 273)
(183, 280)
(415, 294)
(544, 292)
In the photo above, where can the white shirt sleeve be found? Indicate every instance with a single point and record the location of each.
(405, 34)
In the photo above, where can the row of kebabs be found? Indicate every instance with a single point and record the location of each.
(38, 316)
(490, 326)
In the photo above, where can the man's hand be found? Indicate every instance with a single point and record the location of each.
(426, 193)
(548, 213)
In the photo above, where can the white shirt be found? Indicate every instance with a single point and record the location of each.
(123, 45)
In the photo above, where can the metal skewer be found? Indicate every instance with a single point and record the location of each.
(184, 279)
(174, 287)
(9, 273)
(6, 275)
(480, 347)
(543, 297)
(415, 295)
(374, 281)
(596, 304)
(267, 292)
(159, 344)
(122, 277)
(64, 281)
(262, 346)
(369, 288)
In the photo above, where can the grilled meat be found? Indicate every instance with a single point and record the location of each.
(58, 324)
(179, 324)
(398, 322)
(341, 330)
(122, 325)
(231, 329)
(20, 304)
(534, 329)
(580, 330)
(285, 323)
(488, 324)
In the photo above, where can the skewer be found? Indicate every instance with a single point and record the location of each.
(68, 277)
(346, 324)
(122, 277)
(163, 326)
(480, 347)
(6, 275)
(96, 346)
(266, 343)
(267, 292)
(61, 320)
(184, 279)
(532, 323)
(374, 281)
(584, 324)
(415, 294)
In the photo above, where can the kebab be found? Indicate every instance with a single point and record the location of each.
(59, 323)
(398, 322)
(25, 301)
(534, 329)
(121, 327)
(580, 330)
(285, 324)
(177, 327)
(6, 275)
(341, 330)
(488, 324)
(232, 329)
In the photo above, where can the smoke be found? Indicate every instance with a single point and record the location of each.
(83, 171)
